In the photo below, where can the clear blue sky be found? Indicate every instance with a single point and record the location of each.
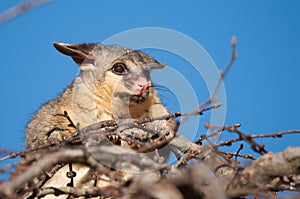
(262, 89)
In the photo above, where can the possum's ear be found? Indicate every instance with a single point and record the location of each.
(80, 53)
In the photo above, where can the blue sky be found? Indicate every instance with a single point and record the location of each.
(262, 89)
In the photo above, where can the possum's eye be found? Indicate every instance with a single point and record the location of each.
(119, 68)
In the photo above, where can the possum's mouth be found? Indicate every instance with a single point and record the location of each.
(133, 98)
(139, 98)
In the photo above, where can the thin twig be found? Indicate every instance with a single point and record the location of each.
(220, 80)
(222, 74)
(273, 135)
(259, 148)
(66, 115)
(19, 9)
(246, 156)
(239, 150)
(108, 191)
(215, 133)
(230, 154)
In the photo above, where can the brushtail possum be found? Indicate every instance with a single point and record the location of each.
(113, 83)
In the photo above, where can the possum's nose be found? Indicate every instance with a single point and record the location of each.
(141, 86)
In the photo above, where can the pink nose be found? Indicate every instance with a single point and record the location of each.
(143, 87)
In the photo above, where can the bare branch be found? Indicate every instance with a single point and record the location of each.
(105, 154)
(108, 191)
(222, 74)
(273, 135)
(229, 155)
(221, 78)
(268, 172)
(19, 9)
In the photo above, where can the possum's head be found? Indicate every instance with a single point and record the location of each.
(123, 72)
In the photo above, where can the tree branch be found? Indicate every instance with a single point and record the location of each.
(19, 9)
(268, 172)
